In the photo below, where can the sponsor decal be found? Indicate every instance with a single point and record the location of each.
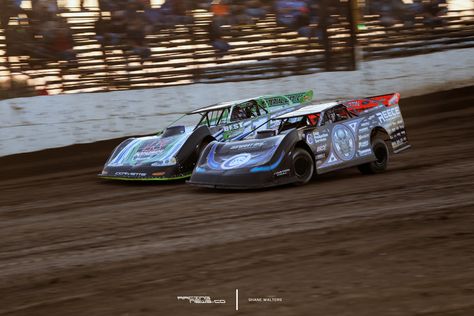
(282, 173)
(365, 152)
(151, 149)
(310, 138)
(233, 127)
(280, 101)
(247, 146)
(168, 162)
(236, 161)
(321, 148)
(294, 98)
(158, 174)
(343, 142)
(320, 156)
(388, 114)
(320, 137)
(130, 174)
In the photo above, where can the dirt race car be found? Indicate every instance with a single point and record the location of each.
(172, 154)
(313, 139)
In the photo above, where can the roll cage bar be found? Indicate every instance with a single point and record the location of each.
(322, 116)
(254, 102)
(352, 113)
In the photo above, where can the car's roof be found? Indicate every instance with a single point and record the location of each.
(217, 106)
(309, 109)
(224, 105)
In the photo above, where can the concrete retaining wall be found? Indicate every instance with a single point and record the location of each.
(31, 124)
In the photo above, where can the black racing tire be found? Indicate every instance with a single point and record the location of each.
(303, 166)
(382, 154)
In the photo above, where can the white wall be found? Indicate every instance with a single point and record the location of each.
(31, 124)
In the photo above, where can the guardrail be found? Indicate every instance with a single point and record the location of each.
(183, 54)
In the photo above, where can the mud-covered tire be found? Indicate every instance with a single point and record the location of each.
(303, 166)
(382, 153)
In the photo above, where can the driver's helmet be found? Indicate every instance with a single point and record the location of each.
(239, 114)
(248, 112)
(339, 114)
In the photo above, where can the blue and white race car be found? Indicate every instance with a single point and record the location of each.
(313, 139)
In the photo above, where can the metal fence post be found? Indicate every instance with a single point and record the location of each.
(325, 34)
(353, 17)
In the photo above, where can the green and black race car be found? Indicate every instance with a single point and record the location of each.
(173, 153)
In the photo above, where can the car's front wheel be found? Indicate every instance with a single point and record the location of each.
(303, 166)
(381, 153)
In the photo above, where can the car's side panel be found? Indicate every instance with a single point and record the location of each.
(319, 141)
(349, 143)
(339, 145)
(268, 161)
(388, 119)
(392, 121)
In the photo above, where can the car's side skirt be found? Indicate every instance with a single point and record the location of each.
(345, 165)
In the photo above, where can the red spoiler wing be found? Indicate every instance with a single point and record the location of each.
(370, 102)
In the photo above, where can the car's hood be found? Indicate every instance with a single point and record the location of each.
(151, 150)
(242, 154)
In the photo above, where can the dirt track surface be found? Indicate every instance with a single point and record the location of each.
(399, 243)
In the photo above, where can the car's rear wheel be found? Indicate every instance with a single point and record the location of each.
(382, 154)
(303, 166)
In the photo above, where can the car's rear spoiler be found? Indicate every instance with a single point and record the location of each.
(359, 105)
(289, 99)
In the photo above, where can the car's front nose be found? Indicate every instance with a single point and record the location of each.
(262, 176)
(231, 179)
(143, 173)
